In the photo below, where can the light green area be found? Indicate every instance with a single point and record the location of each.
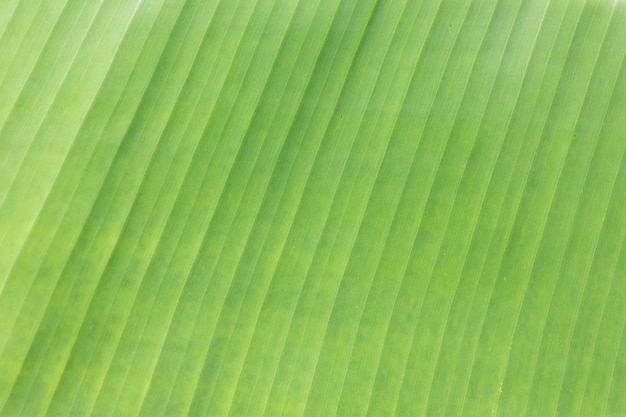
(312, 208)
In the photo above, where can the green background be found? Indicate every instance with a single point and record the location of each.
(312, 208)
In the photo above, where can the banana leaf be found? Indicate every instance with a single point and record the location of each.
(312, 208)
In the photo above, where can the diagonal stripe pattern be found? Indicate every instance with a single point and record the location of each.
(312, 208)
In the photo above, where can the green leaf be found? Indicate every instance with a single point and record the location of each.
(312, 208)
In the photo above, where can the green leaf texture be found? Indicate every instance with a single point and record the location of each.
(312, 208)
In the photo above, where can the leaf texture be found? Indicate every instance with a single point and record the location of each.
(312, 208)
